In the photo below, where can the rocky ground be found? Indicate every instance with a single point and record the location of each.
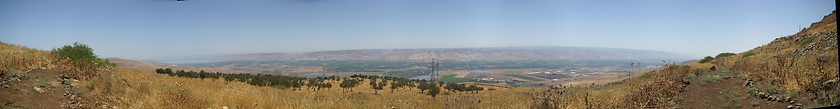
(37, 89)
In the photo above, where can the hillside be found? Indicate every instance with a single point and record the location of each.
(797, 71)
(39, 79)
(463, 54)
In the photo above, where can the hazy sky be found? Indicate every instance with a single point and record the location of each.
(149, 29)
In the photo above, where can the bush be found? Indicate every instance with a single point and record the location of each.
(806, 41)
(707, 59)
(724, 55)
(747, 54)
(433, 91)
(81, 54)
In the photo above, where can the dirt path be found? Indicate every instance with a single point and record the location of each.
(720, 90)
(37, 89)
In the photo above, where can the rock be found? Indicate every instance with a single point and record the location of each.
(64, 81)
(39, 90)
(749, 83)
(762, 95)
(790, 107)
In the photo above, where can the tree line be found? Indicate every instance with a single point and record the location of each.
(377, 83)
(258, 80)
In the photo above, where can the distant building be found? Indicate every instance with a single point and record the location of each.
(423, 77)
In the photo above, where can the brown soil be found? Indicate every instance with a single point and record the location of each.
(23, 95)
(721, 94)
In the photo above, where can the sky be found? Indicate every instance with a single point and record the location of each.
(155, 29)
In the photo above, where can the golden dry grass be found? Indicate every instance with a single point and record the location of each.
(651, 89)
(22, 58)
(149, 90)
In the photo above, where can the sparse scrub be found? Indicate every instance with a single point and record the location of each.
(41, 83)
(721, 55)
(707, 59)
(806, 41)
(747, 54)
(716, 77)
(788, 94)
(79, 61)
(7, 103)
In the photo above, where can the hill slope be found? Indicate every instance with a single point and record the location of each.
(797, 71)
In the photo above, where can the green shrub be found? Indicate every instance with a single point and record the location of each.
(716, 77)
(724, 55)
(81, 54)
(785, 94)
(433, 91)
(707, 59)
(747, 54)
(806, 41)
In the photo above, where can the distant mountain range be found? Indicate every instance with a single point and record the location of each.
(459, 54)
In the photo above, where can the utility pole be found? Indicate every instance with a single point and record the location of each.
(630, 70)
(324, 70)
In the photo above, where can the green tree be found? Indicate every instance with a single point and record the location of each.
(433, 90)
(409, 84)
(374, 85)
(424, 86)
(380, 86)
(474, 88)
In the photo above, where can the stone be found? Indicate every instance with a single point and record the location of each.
(749, 83)
(39, 90)
(762, 95)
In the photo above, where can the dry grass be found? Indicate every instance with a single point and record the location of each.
(22, 58)
(655, 89)
(128, 88)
